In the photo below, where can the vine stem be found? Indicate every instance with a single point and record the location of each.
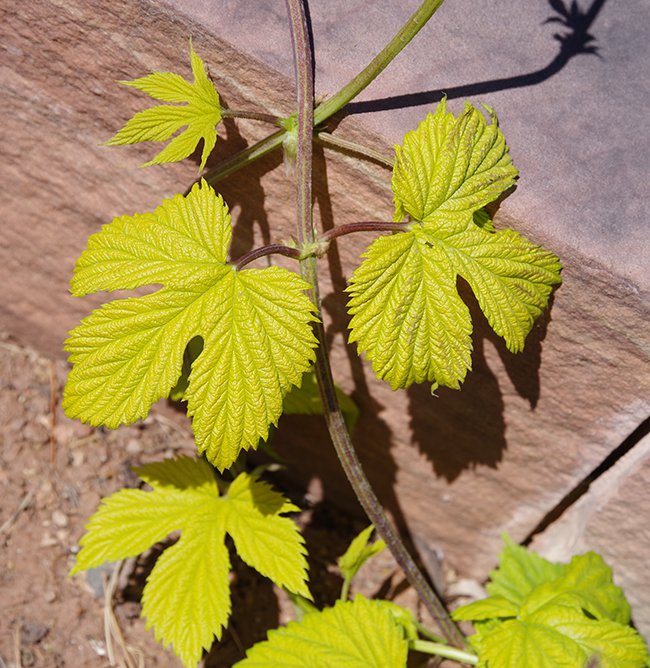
(333, 415)
(408, 31)
(334, 104)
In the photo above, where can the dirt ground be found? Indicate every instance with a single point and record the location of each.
(53, 473)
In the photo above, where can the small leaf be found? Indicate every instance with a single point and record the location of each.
(517, 644)
(616, 645)
(543, 614)
(352, 634)
(187, 599)
(358, 553)
(255, 325)
(449, 167)
(520, 571)
(407, 315)
(201, 114)
(493, 607)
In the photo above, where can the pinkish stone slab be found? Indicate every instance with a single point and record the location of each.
(456, 470)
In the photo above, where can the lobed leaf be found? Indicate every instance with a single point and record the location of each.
(352, 634)
(358, 552)
(201, 114)
(407, 315)
(263, 539)
(449, 167)
(187, 598)
(543, 614)
(519, 572)
(254, 323)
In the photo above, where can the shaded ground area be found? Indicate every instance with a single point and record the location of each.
(53, 473)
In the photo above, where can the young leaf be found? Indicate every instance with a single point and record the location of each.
(449, 167)
(406, 312)
(519, 572)
(201, 114)
(352, 634)
(187, 599)
(543, 614)
(358, 553)
(561, 636)
(255, 325)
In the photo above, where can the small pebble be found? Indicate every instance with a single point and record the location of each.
(59, 519)
(33, 632)
(62, 535)
(48, 540)
(77, 458)
(49, 596)
(133, 447)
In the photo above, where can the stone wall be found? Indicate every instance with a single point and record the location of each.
(508, 451)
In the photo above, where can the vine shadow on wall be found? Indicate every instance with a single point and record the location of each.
(574, 41)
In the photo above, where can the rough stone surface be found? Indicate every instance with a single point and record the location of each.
(608, 518)
(574, 120)
(456, 470)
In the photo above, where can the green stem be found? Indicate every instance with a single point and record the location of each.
(408, 31)
(250, 115)
(332, 141)
(345, 589)
(245, 157)
(430, 635)
(333, 415)
(445, 651)
(339, 100)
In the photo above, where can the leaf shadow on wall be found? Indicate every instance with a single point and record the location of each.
(575, 40)
(463, 429)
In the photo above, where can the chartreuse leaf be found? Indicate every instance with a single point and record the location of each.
(406, 312)
(265, 541)
(201, 114)
(543, 614)
(187, 598)
(358, 552)
(305, 400)
(255, 325)
(352, 634)
(519, 572)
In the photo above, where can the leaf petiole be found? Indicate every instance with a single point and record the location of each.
(445, 651)
(369, 226)
(271, 249)
(345, 589)
(250, 115)
(245, 157)
(329, 140)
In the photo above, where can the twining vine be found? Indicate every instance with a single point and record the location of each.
(254, 339)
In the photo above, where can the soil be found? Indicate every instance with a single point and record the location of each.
(53, 473)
